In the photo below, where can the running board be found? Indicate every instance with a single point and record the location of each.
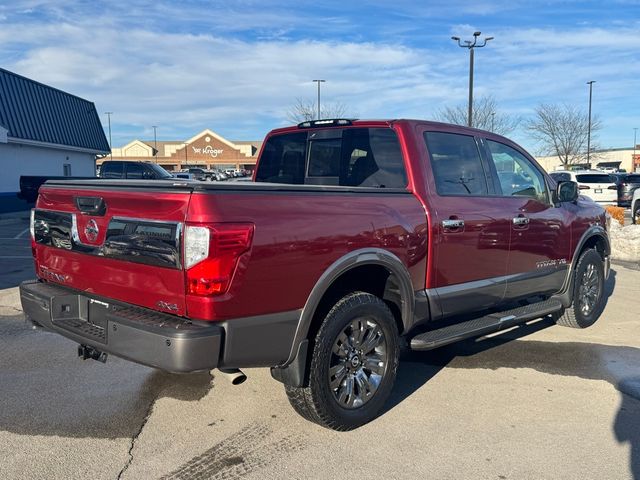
(484, 325)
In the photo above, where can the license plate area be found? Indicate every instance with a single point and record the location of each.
(81, 315)
(598, 190)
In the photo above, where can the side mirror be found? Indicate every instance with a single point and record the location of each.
(567, 192)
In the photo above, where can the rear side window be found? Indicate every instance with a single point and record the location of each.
(456, 165)
(356, 157)
(594, 178)
(134, 170)
(111, 170)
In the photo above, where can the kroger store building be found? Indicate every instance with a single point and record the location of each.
(207, 149)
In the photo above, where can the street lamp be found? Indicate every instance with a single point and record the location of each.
(319, 82)
(633, 159)
(590, 83)
(493, 118)
(155, 144)
(108, 114)
(471, 45)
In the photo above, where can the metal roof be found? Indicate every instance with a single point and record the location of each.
(33, 111)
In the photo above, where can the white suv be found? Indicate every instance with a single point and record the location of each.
(597, 185)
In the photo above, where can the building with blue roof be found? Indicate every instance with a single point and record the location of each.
(44, 131)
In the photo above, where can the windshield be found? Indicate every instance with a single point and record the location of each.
(161, 172)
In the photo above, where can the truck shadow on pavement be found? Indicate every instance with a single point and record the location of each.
(617, 365)
(46, 390)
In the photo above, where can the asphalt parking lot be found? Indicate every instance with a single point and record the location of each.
(537, 402)
(16, 263)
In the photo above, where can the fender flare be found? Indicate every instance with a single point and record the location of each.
(357, 258)
(566, 293)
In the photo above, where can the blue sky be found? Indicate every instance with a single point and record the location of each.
(238, 66)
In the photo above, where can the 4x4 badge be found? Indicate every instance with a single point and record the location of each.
(91, 230)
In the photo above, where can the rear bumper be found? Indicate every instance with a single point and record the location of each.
(156, 339)
(140, 335)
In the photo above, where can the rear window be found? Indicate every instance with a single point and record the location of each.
(356, 157)
(632, 179)
(111, 170)
(456, 165)
(594, 178)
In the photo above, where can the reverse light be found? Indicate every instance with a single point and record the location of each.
(32, 223)
(212, 253)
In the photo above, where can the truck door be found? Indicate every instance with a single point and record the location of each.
(470, 227)
(540, 231)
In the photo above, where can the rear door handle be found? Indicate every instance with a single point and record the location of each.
(453, 224)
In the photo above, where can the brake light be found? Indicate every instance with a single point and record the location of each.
(584, 187)
(211, 255)
(612, 187)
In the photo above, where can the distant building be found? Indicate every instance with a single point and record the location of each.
(618, 158)
(207, 149)
(44, 131)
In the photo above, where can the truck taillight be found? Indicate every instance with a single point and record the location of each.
(211, 255)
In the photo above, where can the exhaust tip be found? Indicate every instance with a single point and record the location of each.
(234, 375)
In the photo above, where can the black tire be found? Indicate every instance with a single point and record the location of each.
(635, 215)
(336, 349)
(588, 293)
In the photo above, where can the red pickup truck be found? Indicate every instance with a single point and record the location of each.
(353, 238)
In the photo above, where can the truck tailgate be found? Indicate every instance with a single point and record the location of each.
(122, 242)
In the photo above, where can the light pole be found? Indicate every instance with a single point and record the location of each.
(155, 144)
(635, 131)
(493, 118)
(590, 83)
(471, 45)
(108, 114)
(319, 82)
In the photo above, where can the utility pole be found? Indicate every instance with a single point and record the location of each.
(471, 45)
(319, 82)
(590, 83)
(633, 159)
(108, 114)
(155, 144)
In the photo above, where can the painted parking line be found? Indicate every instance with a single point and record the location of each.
(21, 233)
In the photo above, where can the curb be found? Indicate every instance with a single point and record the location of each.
(626, 264)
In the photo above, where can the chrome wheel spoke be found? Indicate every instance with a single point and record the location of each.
(337, 374)
(374, 364)
(357, 332)
(342, 345)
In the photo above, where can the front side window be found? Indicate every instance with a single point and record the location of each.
(456, 165)
(517, 176)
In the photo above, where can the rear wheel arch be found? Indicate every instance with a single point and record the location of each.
(374, 271)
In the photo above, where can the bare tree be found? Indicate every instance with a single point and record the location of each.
(485, 116)
(562, 130)
(304, 110)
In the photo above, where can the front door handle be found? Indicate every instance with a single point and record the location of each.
(520, 221)
(453, 224)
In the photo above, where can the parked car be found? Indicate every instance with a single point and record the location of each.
(198, 173)
(595, 184)
(30, 184)
(627, 184)
(116, 169)
(354, 237)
